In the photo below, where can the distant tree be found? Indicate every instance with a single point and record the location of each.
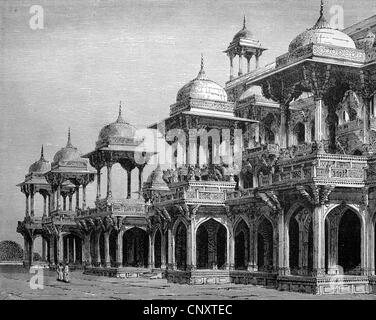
(10, 251)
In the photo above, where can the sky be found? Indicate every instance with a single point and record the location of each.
(92, 54)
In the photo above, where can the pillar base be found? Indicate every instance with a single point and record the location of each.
(318, 272)
(284, 271)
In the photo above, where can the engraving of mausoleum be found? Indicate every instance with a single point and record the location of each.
(298, 212)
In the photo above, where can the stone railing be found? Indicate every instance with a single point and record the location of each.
(117, 206)
(341, 170)
(211, 192)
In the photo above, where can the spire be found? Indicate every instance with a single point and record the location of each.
(321, 23)
(244, 27)
(201, 74)
(120, 118)
(41, 153)
(69, 143)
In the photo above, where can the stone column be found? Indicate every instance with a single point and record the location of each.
(31, 251)
(77, 197)
(64, 201)
(248, 64)
(83, 197)
(129, 183)
(86, 252)
(230, 250)
(163, 250)
(366, 119)
(49, 203)
(107, 249)
(52, 250)
(44, 205)
(119, 249)
(240, 64)
(231, 66)
(301, 249)
(26, 259)
(98, 183)
(151, 253)
(284, 129)
(140, 181)
(192, 156)
(252, 263)
(70, 196)
(58, 192)
(318, 241)
(283, 246)
(44, 249)
(191, 247)
(109, 187)
(74, 249)
(32, 193)
(257, 60)
(27, 205)
(371, 247)
(60, 248)
(171, 250)
(319, 125)
(97, 250)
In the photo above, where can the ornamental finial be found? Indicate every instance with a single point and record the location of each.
(120, 118)
(322, 8)
(202, 61)
(69, 143)
(244, 22)
(41, 153)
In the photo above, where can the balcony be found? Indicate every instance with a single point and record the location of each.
(124, 207)
(197, 192)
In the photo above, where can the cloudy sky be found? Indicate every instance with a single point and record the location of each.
(91, 54)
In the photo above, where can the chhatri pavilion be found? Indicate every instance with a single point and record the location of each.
(298, 210)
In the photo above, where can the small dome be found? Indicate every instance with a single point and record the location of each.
(202, 88)
(251, 91)
(155, 180)
(118, 129)
(68, 153)
(40, 166)
(322, 33)
(243, 33)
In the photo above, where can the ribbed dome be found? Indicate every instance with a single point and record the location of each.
(68, 153)
(322, 33)
(155, 180)
(202, 88)
(118, 129)
(243, 33)
(40, 166)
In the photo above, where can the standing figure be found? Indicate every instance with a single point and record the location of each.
(66, 273)
(59, 271)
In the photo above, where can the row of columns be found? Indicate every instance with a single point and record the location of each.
(242, 56)
(129, 181)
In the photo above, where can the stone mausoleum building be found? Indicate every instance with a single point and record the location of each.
(296, 212)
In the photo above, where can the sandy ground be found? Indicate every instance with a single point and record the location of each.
(15, 284)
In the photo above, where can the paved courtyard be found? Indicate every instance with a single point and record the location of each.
(14, 284)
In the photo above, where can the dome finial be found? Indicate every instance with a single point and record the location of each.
(120, 117)
(201, 74)
(244, 27)
(69, 143)
(41, 153)
(322, 8)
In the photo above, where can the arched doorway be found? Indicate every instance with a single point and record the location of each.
(349, 239)
(265, 245)
(135, 248)
(101, 249)
(299, 133)
(181, 246)
(211, 242)
(92, 248)
(112, 247)
(241, 245)
(294, 245)
(157, 249)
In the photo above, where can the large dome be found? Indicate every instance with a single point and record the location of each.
(322, 33)
(40, 166)
(202, 88)
(118, 129)
(68, 153)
